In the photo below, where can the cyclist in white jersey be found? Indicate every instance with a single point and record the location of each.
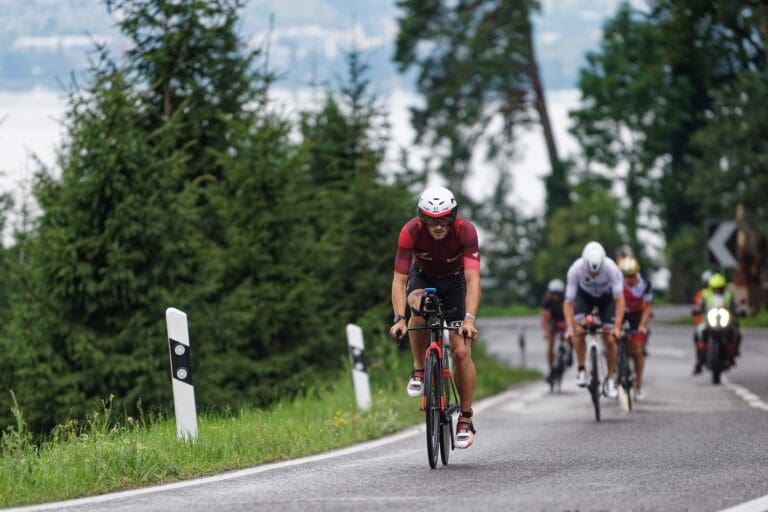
(594, 280)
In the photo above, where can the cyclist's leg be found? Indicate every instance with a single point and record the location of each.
(453, 291)
(465, 374)
(606, 306)
(579, 346)
(582, 305)
(418, 339)
(636, 346)
(549, 336)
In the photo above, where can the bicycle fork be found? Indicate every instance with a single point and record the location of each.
(436, 346)
(601, 369)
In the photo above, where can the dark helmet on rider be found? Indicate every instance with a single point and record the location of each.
(593, 256)
(624, 251)
(556, 286)
(437, 206)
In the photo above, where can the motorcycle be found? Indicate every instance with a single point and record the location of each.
(721, 339)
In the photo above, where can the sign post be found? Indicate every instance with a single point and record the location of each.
(181, 375)
(359, 372)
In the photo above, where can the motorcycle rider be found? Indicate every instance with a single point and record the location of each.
(698, 342)
(716, 295)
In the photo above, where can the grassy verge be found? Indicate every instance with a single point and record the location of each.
(758, 320)
(99, 455)
(515, 310)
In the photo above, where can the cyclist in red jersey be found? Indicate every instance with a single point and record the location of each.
(638, 297)
(440, 250)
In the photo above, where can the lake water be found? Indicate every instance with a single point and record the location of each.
(32, 125)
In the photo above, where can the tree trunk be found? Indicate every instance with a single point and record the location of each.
(557, 182)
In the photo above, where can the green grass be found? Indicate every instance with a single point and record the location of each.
(99, 455)
(515, 310)
(758, 320)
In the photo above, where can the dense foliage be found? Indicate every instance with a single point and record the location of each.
(671, 127)
(180, 185)
(674, 101)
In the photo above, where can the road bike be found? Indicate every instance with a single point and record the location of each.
(561, 361)
(625, 377)
(440, 400)
(593, 340)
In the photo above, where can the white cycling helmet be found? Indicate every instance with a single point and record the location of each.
(556, 286)
(437, 203)
(593, 256)
(705, 277)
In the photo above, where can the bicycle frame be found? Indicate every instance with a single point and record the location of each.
(440, 398)
(594, 342)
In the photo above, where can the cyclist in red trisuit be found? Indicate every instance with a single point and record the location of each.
(438, 249)
(638, 299)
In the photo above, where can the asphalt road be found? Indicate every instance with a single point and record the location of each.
(689, 446)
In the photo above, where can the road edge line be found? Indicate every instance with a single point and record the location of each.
(757, 505)
(519, 392)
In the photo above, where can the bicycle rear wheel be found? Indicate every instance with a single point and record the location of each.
(561, 365)
(594, 381)
(432, 392)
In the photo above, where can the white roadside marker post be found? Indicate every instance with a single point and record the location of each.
(359, 372)
(181, 375)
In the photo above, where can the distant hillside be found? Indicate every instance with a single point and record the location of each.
(42, 42)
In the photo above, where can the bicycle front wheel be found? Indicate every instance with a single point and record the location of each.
(432, 392)
(594, 381)
(625, 375)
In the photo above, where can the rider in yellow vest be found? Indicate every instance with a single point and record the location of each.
(717, 295)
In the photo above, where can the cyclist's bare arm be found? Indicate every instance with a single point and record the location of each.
(569, 322)
(399, 283)
(472, 302)
(647, 309)
(618, 315)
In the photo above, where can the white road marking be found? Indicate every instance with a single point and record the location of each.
(481, 405)
(756, 505)
(752, 399)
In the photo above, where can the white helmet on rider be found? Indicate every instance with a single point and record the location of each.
(556, 286)
(705, 277)
(437, 203)
(593, 256)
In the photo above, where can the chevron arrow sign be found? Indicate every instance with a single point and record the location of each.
(721, 244)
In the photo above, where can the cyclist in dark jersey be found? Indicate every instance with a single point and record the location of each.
(437, 249)
(552, 318)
